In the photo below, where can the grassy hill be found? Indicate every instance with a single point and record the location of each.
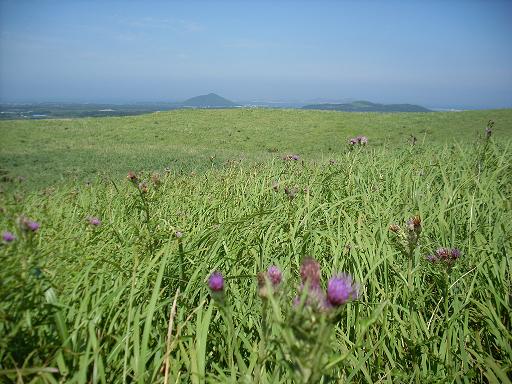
(107, 281)
(210, 100)
(83, 303)
(367, 106)
(46, 151)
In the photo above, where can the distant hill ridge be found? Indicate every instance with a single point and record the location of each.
(367, 106)
(210, 100)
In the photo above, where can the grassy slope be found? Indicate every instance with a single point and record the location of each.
(115, 305)
(46, 151)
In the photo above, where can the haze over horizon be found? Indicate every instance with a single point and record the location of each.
(433, 54)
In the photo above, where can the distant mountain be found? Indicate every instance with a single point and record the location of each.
(210, 100)
(366, 106)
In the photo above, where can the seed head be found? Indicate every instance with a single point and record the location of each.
(290, 192)
(363, 140)
(310, 272)
(143, 187)
(155, 179)
(414, 223)
(132, 177)
(262, 285)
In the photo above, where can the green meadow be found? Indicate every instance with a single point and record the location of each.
(127, 298)
(48, 151)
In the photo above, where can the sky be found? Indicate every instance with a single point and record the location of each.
(433, 53)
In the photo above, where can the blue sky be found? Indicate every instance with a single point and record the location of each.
(446, 53)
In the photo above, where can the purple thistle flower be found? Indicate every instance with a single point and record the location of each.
(295, 157)
(94, 221)
(455, 253)
(363, 140)
(216, 282)
(33, 225)
(8, 237)
(29, 225)
(341, 289)
(352, 141)
(444, 255)
(310, 272)
(274, 275)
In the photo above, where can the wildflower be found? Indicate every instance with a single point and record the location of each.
(444, 255)
(414, 224)
(488, 129)
(455, 253)
(29, 225)
(262, 285)
(274, 275)
(310, 272)
(132, 177)
(314, 298)
(363, 140)
(178, 234)
(32, 225)
(94, 221)
(290, 192)
(143, 187)
(216, 282)
(295, 157)
(394, 228)
(8, 237)
(155, 179)
(341, 289)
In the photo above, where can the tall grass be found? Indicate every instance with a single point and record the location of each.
(128, 302)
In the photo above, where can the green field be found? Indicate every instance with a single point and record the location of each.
(128, 300)
(46, 151)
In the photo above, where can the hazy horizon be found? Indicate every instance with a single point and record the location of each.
(434, 54)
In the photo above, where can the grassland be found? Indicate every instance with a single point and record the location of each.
(128, 301)
(47, 151)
